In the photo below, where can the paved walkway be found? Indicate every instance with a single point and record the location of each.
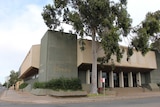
(25, 97)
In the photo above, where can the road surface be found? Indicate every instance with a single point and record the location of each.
(145, 102)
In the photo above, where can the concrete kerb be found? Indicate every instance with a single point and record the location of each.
(24, 97)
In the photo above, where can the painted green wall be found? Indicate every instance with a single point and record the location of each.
(58, 56)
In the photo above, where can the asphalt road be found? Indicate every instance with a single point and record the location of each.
(145, 102)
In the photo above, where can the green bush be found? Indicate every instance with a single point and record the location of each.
(39, 85)
(64, 84)
(23, 85)
(60, 84)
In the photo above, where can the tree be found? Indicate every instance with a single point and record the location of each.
(147, 34)
(13, 78)
(102, 20)
(5, 84)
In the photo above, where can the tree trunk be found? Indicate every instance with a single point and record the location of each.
(94, 65)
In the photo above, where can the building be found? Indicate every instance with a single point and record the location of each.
(59, 55)
(29, 68)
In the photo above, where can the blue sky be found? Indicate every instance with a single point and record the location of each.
(22, 26)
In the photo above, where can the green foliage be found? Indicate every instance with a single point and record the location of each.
(64, 84)
(90, 17)
(129, 52)
(23, 85)
(141, 42)
(60, 84)
(147, 32)
(93, 18)
(5, 84)
(156, 45)
(13, 78)
(111, 46)
(39, 85)
(151, 23)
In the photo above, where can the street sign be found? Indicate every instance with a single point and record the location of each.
(103, 80)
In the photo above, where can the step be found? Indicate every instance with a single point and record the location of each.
(128, 90)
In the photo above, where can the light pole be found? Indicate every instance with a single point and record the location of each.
(7, 81)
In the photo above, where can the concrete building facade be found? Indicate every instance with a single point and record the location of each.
(59, 55)
(30, 65)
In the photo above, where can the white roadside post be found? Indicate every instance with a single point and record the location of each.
(104, 85)
(7, 81)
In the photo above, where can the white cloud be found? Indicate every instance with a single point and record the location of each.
(26, 30)
(139, 8)
(17, 35)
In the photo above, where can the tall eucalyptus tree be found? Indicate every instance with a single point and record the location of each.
(103, 20)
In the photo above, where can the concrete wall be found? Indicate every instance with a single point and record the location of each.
(31, 81)
(143, 79)
(58, 56)
(30, 84)
(136, 60)
(146, 78)
(31, 60)
(155, 74)
(82, 76)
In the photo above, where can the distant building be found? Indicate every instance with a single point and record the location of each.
(59, 54)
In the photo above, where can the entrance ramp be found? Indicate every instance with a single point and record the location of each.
(128, 90)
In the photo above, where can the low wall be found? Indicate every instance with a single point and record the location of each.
(67, 93)
(154, 87)
(43, 92)
(40, 92)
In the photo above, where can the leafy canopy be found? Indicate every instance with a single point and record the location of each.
(13, 78)
(147, 34)
(103, 20)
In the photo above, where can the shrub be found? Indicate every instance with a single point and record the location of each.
(23, 85)
(39, 85)
(60, 84)
(54, 84)
(64, 84)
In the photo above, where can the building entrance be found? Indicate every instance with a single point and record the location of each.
(116, 79)
(126, 80)
(106, 76)
(134, 80)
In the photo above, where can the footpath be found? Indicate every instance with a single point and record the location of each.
(26, 97)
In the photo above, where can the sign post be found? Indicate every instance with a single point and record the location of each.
(103, 80)
(7, 81)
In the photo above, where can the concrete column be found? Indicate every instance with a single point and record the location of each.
(121, 79)
(88, 77)
(111, 80)
(130, 79)
(99, 79)
(138, 77)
